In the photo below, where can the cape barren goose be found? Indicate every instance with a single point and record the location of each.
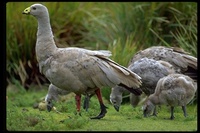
(173, 90)
(150, 71)
(54, 93)
(78, 70)
(182, 61)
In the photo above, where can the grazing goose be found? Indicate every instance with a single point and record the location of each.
(78, 70)
(173, 90)
(116, 97)
(150, 71)
(54, 92)
(182, 62)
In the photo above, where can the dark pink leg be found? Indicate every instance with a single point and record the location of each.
(98, 93)
(78, 103)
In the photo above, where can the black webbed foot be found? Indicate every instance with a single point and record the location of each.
(102, 113)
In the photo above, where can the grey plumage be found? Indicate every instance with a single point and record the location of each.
(116, 96)
(54, 93)
(173, 58)
(150, 71)
(181, 61)
(74, 69)
(173, 90)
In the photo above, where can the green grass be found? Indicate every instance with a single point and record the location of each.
(21, 116)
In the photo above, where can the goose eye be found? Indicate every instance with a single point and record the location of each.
(34, 8)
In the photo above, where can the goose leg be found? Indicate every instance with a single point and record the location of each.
(78, 103)
(172, 113)
(184, 111)
(154, 112)
(86, 102)
(103, 107)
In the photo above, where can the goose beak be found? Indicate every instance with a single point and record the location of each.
(116, 108)
(49, 106)
(27, 11)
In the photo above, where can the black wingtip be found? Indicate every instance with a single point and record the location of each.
(137, 92)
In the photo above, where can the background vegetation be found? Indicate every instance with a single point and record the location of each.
(121, 27)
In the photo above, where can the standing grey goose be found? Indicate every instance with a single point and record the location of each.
(173, 90)
(78, 70)
(150, 71)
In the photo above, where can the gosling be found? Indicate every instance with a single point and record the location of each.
(173, 90)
